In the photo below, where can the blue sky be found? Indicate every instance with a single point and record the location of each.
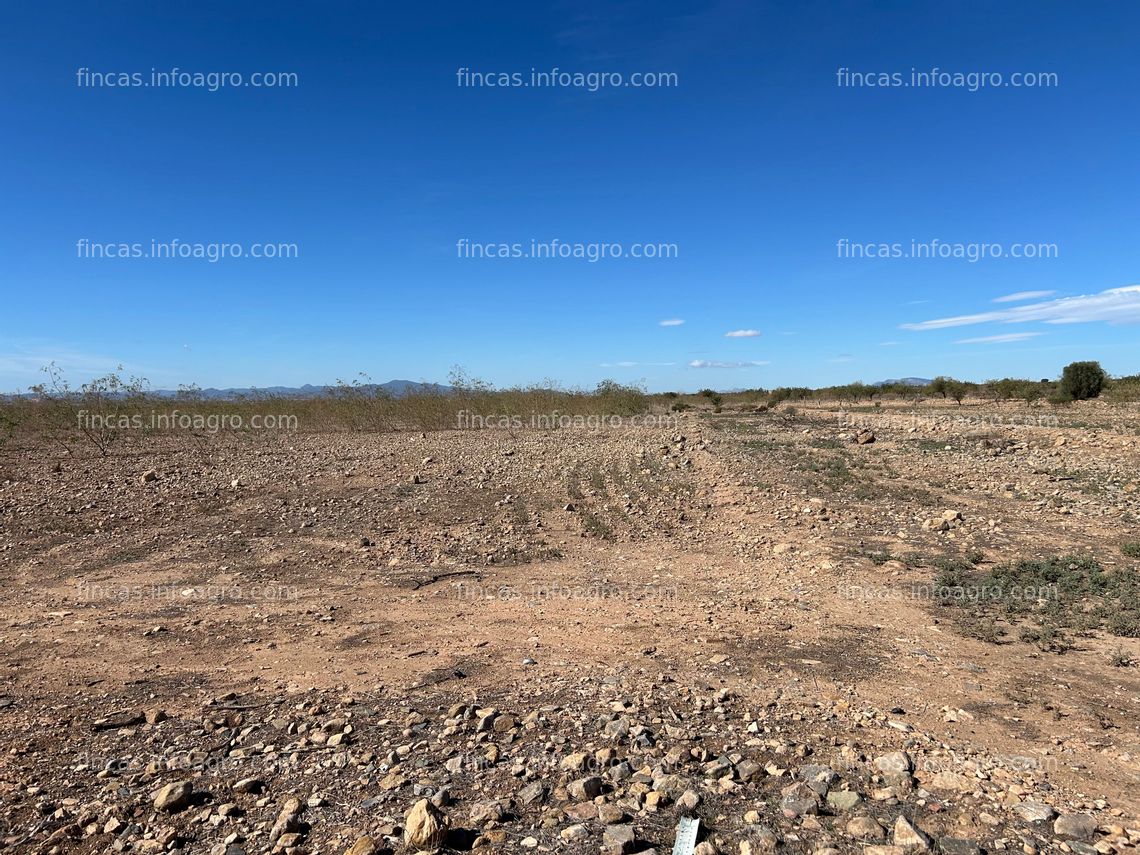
(754, 166)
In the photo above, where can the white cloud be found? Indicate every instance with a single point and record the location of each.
(843, 357)
(887, 343)
(1023, 295)
(1114, 306)
(742, 334)
(998, 339)
(705, 363)
(671, 322)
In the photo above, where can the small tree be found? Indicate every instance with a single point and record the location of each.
(956, 389)
(1002, 390)
(1082, 380)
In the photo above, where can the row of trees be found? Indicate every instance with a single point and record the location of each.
(1079, 381)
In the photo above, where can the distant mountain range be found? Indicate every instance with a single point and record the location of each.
(394, 388)
(905, 381)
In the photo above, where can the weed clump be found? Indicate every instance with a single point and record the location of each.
(1050, 600)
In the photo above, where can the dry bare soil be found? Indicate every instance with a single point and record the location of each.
(566, 640)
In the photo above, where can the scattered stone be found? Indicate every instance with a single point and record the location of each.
(897, 762)
(909, 836)
(610, 814)
(174, 797)
(574, 834)
(799, 800)
(865, 828)
(618, 839)
(585, 789)
(1077, 826)
(843, 800)
(1032, 811)
(364, 845)
(288, 820)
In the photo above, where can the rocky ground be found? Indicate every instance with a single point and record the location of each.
(498, 641)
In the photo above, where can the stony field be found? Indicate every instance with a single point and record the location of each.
(816, 632)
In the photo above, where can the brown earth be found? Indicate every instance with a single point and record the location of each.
(753, 567)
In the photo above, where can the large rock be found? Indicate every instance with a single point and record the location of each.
(843, 800)
(799, 800)
(532, 793)
(1078, 826)
(618, 839)
(585, 789)
(909, 837)
(174, 797)
(484, 812)
(288, 820)
(895, 763)
(1032, 811)
(425, 826)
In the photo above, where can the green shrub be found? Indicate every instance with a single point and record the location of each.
(1082, 380)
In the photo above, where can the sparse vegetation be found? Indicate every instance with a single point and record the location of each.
(1053, 597)
(1118, 658)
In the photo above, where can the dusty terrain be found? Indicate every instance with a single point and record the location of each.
(568, 639)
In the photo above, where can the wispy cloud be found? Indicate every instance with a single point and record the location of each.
(742, 334)
(1114, 306)
(998, 339)
(21, 364)
(707, 363)
(1019, 296)
(671, 322)
(843, 357)
(887, 343)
